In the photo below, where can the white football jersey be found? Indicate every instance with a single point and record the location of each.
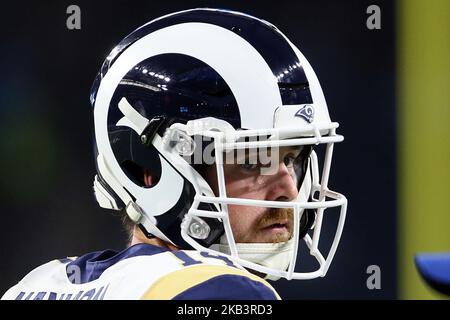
(142, 271)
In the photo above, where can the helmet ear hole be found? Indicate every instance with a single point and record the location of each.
(141, 176)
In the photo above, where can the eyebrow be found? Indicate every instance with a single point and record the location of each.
(294, 148)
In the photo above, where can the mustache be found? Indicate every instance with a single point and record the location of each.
(277, 215)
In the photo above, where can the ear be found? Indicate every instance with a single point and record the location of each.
(148, 178)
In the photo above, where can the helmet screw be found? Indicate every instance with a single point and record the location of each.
(144, 139)
(236, 29)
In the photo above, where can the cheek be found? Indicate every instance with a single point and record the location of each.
(243, 220)
(246, 188)
(239, 221)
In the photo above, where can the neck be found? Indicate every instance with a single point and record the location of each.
(139, 237)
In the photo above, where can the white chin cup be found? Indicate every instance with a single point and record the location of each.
(271, 255)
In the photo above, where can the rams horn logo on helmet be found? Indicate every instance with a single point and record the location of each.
(306, 112)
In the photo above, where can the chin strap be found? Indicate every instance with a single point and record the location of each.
(271, 255)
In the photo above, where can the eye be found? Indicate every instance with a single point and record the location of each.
(289, 160)
(249, 166)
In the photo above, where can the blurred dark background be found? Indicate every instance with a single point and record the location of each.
(47, 165)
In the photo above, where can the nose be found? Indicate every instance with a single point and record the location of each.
(282, 184)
